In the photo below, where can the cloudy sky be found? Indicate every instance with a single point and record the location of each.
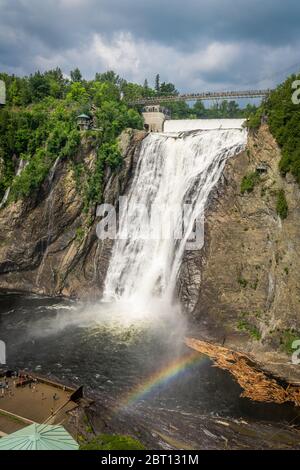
(198, 44)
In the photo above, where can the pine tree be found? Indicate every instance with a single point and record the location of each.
(157, 83)
(76, 75)
(146, 86)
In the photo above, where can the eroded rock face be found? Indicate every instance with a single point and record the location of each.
(242, 288)
(48, 245)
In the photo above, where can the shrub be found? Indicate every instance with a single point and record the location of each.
(254, 120)
(284, 123)
(287, 339)
(242, 282)
(249, 181)
(252, 330)
(282, 205)
(113, 442)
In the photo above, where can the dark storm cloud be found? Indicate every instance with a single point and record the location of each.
(38, 34)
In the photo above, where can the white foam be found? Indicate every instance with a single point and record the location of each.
(181, 125)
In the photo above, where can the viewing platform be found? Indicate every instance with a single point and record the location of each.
(29, 399)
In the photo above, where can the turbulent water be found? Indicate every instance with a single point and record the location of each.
(199, 408)
(173, 180)
(180, 125)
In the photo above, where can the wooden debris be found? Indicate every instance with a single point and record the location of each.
(257, 385)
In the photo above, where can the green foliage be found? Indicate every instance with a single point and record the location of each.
(108, 156)
(77, 92)
(249, 182)
(282, 208)
(284, 123)
(220, 110)
(157, 83)
(254, 119)
(76, 75)
(80, 234)
(39, 135)
(287, 338)
(242, 282)
(252, 330)
(113, 442)
(38, 125)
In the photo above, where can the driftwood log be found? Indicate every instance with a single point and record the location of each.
(257, 385)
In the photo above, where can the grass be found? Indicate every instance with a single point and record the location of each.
(252, 330)
(113, 442)
(80, 234)
(249, 182)
(287, 339)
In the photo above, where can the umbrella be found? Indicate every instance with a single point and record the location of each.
(39, 437)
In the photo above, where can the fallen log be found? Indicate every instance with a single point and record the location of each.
(257, 385)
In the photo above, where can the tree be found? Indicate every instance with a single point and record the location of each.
(104, 91)
(199, 110)
(179, 109)
(77, 93)
(146, 86)
(157, 83)
(76, 75)
(233, 110)
(109, 76)
(57, 83)
(39, 86)
(168, 89)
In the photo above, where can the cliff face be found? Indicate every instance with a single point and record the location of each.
(48, 245)
(242, 288)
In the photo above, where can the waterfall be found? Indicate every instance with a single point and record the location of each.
(49, 214)
(173, 170)
(22, 165)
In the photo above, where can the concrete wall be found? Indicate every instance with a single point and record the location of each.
(154, 121)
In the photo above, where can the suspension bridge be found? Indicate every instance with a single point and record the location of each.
(225, 95)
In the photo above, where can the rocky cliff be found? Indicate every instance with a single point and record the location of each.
(48, 245)
(242, 288)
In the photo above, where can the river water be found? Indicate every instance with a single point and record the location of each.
(127, 367)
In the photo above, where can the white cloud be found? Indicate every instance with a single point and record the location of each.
(135, 60)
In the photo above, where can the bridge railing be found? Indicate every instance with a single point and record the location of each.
(202, 96)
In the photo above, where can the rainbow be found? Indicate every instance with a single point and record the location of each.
(160, 378)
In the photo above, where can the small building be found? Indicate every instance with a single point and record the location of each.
(154, 117)
(84, 122)
(2, 93)
(262, 168)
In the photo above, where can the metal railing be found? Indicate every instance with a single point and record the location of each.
(202, 96)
